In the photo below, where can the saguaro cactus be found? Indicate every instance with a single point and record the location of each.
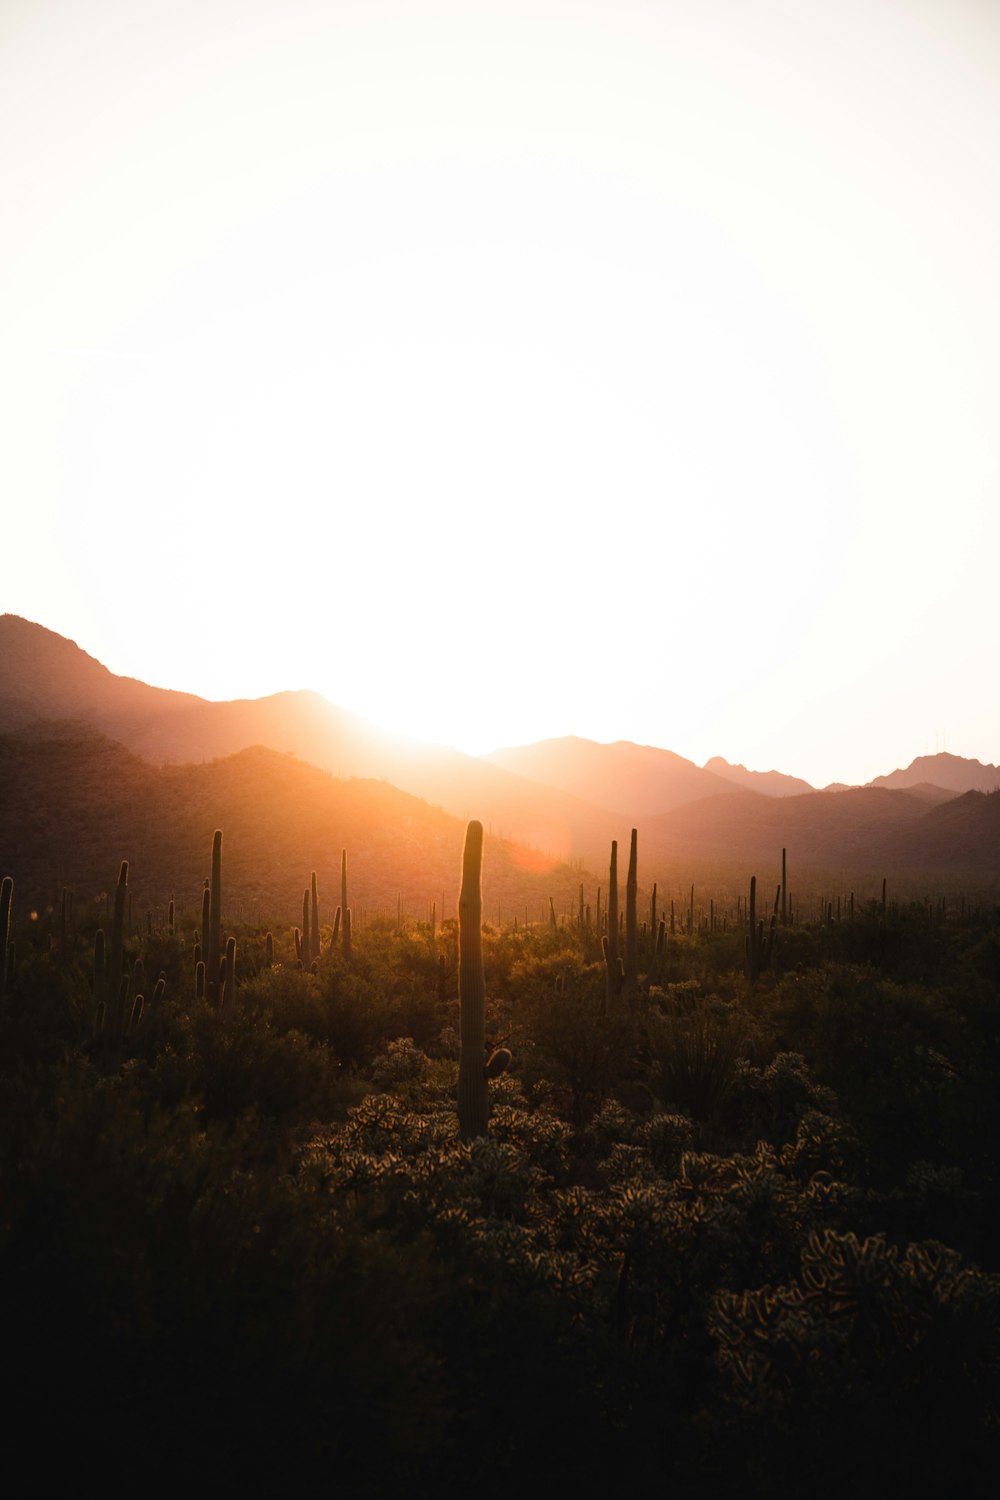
(473, 1095)
(314, 918)
(758, 947)
(784, 887)
(116, 957)
(632, 921)
(100, 974)
(611, 944)
(213, 953)
(6, 898)
(345, 910)
(227, 1003)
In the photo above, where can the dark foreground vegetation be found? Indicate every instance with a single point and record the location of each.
(722, 1236)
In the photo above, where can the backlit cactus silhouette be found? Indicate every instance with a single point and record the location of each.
(610, 944)
(473, 1095)
(117, 980)
(6, 899)
(213, 953)
(345, 910)
(632, 921)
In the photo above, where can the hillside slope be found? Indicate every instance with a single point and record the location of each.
(76, 804)
(771, 783)
(51, 678)
(956, 773)
(631, 780)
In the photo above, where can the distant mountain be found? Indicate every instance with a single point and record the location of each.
(932, 795)
(47, 677)
(771, 783)
(627, 779)
(862, 828)
(961, 834)
(75, 804)
(559, 799)
(953, 772)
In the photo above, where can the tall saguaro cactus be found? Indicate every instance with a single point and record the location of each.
(213, 953)
(314, 918)
(227, 1001)
(611, 941)
(6, 898)
(759, 946)
(784, 887)
(116, 957)
(473, 1096)
(632, 921)
(345, 910)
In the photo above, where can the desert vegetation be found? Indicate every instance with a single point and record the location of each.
(712, 1206)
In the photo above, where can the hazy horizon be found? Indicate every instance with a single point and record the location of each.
(507, 372)
(391, 730)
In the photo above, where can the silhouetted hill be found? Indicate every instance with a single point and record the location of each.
(565, 797)
(955, 773)
(961, 834)
(635, 781)
(861, 828)
(931, 795)
(46, 676)
(771, 783)
(52, 678)
(76, 804)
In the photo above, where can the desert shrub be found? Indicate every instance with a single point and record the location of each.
(564, 1038)
(362, 1013)
(289, 998)
(694, 1059)
(48, 1007)
(245, 1064)
(220, 1322)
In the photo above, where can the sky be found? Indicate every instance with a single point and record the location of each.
(508, 370)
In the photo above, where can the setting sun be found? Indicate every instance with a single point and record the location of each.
(502, 374)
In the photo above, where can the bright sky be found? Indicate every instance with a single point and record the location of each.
(504, 370)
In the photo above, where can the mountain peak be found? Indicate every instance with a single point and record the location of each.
(771, 783)
(49, 676)
(955, 773)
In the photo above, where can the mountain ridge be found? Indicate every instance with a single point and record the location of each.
(596, 792)
(771, 783)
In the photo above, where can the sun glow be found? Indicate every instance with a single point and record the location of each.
(623, 371)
